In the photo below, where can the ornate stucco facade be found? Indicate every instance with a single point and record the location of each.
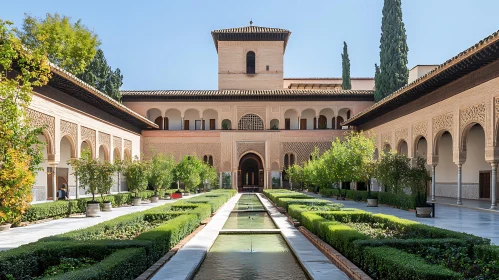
(258, 122)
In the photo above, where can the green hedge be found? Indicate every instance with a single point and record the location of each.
(115, 259)
(403, 201)
(392, 264)
(286, 201)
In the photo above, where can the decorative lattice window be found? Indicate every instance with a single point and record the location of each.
(250, 122)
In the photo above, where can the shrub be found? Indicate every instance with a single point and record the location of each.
(390, 263)
(122, 264)
(286, 201)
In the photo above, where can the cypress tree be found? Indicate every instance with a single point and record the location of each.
(393, 72)
(345, 61)
(377, 97)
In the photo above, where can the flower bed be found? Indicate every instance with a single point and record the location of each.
(387, 247)
(121, 248)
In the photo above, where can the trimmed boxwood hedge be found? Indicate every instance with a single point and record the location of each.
(117, 259)
(403, 201)
(423, 252)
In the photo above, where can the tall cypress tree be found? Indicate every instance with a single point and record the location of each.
(345, 61)
(377, 96)
(393, 54)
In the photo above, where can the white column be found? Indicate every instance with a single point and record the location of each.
(493, 204)
(77, 192)
(299, 123)
(182, 123)
(316, 122)
(433, 178)
(220, 180)
(235, 181)
(280, 179)
(459, 184)
(54, 181)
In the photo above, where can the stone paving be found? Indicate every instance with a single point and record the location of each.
(18, 236)
(473, 221)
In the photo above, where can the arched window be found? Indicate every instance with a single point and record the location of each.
(250, 63)
(250, 122)
(208, 159)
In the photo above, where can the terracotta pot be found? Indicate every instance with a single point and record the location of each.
(176, 195)
(107, 206)
(168, 197)
(5, 227)
(372, 202)
(136, 201)
(93, 209)
(187, 194)
(154, 199)
(424, 212)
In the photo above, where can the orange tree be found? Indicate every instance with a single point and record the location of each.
(20, 71)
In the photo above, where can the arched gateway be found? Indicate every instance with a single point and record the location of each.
(250, 173)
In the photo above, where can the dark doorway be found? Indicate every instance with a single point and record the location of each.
(484, 184)
(250, 175)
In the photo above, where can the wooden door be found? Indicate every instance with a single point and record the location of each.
(212, 124)
(339, 120)
(484, 184)
(287, 124)
(303, 124)
(186, 124)
(322, 122)
(315, 123)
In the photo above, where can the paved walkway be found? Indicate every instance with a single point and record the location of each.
(18, 236)
(483, 205)
(476, 222)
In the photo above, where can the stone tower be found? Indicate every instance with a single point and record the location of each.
(250, 57)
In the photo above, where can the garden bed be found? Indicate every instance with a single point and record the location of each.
(121, 248)
(387, 247)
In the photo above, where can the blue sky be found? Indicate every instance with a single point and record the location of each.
(168, 45)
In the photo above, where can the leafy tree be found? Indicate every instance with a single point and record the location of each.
(119, 166)
(417, 178)
(295, 173)
(393, 72)
(188, 171)
(20, 150)
(86, 168)
(345, 63)
(392, 171)
(226, 180)
(137, 174)
(103, 177)
(70, 46)
(161, 173)
(100, 75)
(208, 175)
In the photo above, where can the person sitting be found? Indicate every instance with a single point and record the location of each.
(62, 193)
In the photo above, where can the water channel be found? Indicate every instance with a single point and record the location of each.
(250, 256)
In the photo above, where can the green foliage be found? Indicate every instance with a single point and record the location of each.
(108, 244)
(70, 46)
(67, 265)
(417, 179)
(20, 150)
(137, 174)
(161, 174)
(345, 68)
(94, 175)
(393, 73)
(100, 75)
(188, 171)
(390, 263)
(208, 175)
(392, 171)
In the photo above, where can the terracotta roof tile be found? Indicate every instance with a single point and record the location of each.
(280, 92)
(251, 29)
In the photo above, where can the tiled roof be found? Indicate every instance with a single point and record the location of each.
(480, 54)
(108, 101)
(279, 92)
(330, 78)
(251, 29)
(251, 33)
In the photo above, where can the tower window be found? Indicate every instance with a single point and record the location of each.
(268, 67)
(250, 63)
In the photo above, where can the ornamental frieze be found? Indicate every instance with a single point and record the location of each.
(39, 119)
(473, 114)
(442, 122)
(243, 147)
(88, 134)
(420, 129)
(105, 139)
(303, 150)
(69, 129)
(401, 134)
(117, 143)
(386, 138)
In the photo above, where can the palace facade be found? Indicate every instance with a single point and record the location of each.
(258, 122)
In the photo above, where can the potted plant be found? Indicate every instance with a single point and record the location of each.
(417, 178)
(87, 169)
(137, 174)
(104, 181)
(372, 199)
(161, 173)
